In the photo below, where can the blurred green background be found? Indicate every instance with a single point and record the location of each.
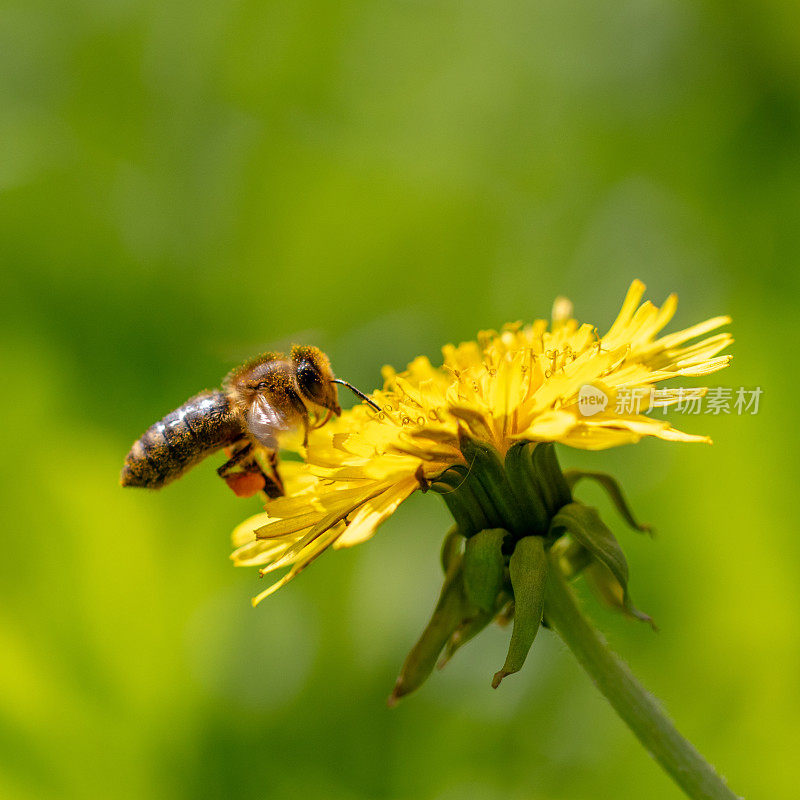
(183, 184)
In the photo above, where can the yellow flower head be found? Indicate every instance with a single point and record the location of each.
(524, 383)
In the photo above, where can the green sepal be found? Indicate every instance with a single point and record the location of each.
(471, 627)
(608, 589)
(456, 508)
(614, 491)
(483, 567)
(584, 525)
(528, 570)
(486, 469)
(554, 488)
(450, 612)
(572, 557)
(525, 485)
(492, 516)
(451, 547)
(457, 494)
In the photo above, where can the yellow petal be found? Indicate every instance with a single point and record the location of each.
(632, 298)
(374, 512)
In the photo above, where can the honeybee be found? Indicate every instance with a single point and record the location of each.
(258, 403)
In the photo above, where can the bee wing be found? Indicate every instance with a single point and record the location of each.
(266, 421)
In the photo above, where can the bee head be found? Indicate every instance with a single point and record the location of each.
(315, 377)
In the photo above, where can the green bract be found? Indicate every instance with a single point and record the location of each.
(509, 512)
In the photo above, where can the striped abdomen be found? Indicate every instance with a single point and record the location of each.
(183, 438)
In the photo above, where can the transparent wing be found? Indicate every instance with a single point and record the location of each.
(266, 421)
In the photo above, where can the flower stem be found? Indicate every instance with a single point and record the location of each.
(628, 697)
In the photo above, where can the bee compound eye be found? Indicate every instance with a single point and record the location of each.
(309, 380)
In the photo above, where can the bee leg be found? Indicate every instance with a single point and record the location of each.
(238, 456)
(318, 423)
(249, 478)
(273, 486)
(275, 478)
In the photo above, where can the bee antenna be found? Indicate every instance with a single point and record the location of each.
(358, 392)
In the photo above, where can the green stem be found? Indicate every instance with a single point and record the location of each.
(628, 697)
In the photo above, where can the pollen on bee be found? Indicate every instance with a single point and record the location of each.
(245, 484)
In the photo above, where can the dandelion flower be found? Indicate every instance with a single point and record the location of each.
(480, 431)
(521, 384)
